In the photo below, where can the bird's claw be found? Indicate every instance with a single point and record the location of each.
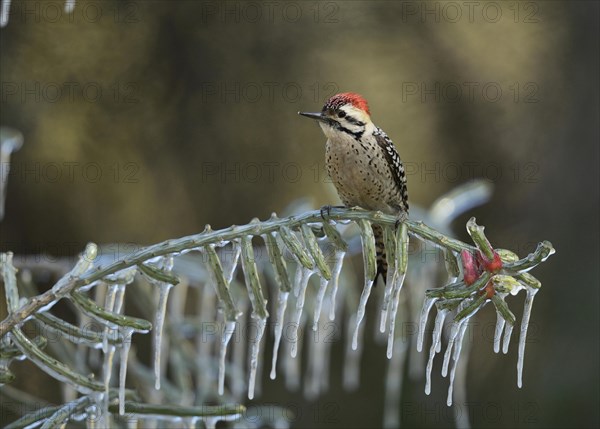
(327, 209)
(402, 217)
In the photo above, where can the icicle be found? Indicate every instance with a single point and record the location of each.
(306, 274)
(500, 322)
(4, 13)
(259, 369)
(360, 314)
(523, 336)
(298, 279)
(210, 422)
(507, 333)
(456, 357)
(207, 310)
(190, 422)
(454, 332)
(159, 320)
(389, 237)
(319, 302)
(107, 374)
(379, 337)
(109, 305)
(91, 416)
(228, 330)
(238, 385)
(335, 276)
(119, 298)
(427, 304)
(394, 311)
(113, 302)
(351, 377)
(439, 347)
(69, 6)
(459, 327)
(437, 333)
(384, 306)
(123, 369)
(279, 318)
(255, 343)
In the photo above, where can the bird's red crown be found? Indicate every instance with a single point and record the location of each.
(343, 98)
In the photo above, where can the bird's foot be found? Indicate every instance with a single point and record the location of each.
(402, 217)
(327, 209)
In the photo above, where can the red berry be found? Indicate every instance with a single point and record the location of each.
(489, 290)
(493, 266)
(470, 268)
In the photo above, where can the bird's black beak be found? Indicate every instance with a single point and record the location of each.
(317, 116)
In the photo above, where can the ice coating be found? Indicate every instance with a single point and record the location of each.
(229, 266)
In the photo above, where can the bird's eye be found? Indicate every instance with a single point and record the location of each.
(341, 114)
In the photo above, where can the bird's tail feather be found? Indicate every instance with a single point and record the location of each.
(382, 265)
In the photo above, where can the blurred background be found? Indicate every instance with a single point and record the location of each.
(145, 120)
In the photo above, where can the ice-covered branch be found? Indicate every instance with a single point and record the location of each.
(478, 273)
(488, 275)
(274, 225)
